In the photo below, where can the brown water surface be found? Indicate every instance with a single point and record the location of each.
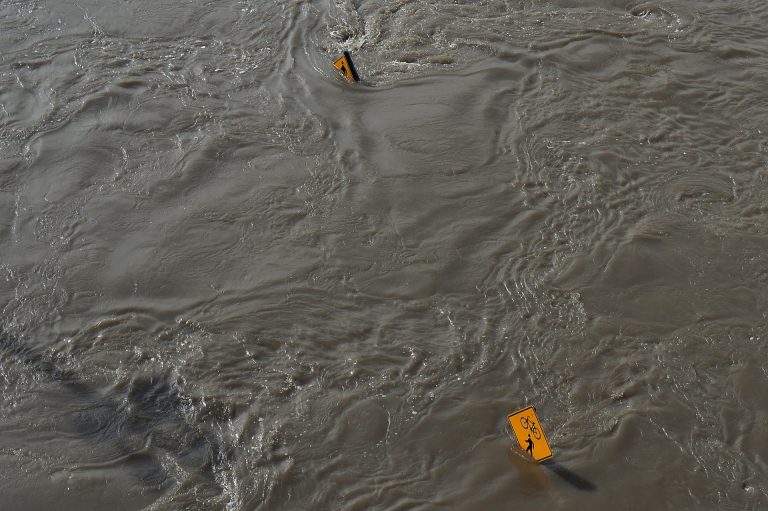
(231, 280)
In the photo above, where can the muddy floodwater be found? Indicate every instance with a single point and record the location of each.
(232, 280)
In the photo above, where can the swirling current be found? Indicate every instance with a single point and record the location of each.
(232, 280)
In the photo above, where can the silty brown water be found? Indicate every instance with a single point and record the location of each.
(234, 281)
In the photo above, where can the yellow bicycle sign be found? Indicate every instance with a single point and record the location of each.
(527, 428)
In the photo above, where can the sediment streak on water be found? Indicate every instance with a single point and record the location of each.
(233, 281)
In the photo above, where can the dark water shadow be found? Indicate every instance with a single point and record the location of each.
(569, 476)
(150, 411)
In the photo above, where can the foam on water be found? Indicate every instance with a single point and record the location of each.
(230, 280)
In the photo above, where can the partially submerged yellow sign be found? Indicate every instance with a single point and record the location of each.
(529, 434)
(347, 68)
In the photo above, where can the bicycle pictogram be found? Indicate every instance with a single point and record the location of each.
(529, 433)
(530, 424)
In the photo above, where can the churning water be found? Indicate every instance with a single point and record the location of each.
(231, 280)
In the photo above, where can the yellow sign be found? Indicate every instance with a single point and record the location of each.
(529, 434)
(347, 68)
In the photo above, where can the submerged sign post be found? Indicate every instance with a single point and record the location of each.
(525, 424)
(347, 68)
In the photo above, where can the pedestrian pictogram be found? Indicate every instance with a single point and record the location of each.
(527, 428)
(347, 68)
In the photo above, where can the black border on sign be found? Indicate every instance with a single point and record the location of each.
(352, 69)
(542, 430)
